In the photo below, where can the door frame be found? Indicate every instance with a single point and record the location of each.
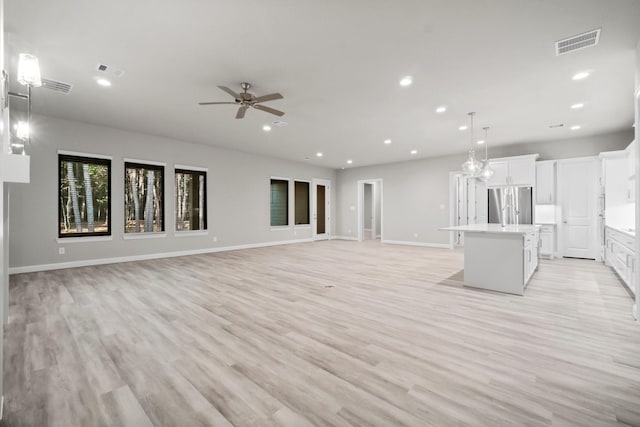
(594, 215)
(360, 210)
(327, 209)
(636, 307)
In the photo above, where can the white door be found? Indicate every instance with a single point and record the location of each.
(578, 194)
(321, 209)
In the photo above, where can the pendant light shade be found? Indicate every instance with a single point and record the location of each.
(472, 167)
(487, 172)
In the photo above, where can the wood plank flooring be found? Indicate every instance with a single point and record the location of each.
(328, 333)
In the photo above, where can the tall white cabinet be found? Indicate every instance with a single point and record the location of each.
(546, 182)
(546, 199)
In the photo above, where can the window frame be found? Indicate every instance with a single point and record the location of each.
(91, 159)
(144, 164)
(308, 224)
(288, 201)
(196, 171)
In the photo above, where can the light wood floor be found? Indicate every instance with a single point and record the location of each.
(331, 333)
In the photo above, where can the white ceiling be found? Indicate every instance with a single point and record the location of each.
(338, 64)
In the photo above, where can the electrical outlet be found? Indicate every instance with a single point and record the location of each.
(349, 231)
(295, 233)
(60, 251)
(415, 235)
(215, 238)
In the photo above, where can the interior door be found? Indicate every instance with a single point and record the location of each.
(577, 182)
(322, 210)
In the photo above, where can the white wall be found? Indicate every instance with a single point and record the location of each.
(238, 194)
(416, 193)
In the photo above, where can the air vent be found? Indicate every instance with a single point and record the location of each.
(280, 123)
(556, 126)
(57, 86)
(590, 38)
(110, 70)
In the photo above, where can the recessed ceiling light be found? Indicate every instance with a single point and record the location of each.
(349, 161)
(481, 142)
(387, 141)
(406, 81)
(581, 75)
(266, 128)
(414, 151)
(103, 82)
(441, 109)
(319, 154)
(463, 127)
(576, 127)
(577, 106)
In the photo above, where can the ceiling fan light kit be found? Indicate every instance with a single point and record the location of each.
(245, 100)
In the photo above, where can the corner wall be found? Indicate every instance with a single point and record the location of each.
(416, 193)
(237, 184)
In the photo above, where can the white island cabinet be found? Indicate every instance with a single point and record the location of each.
(499, 258)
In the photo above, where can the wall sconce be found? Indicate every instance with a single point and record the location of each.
(29, 76)
(29, 71)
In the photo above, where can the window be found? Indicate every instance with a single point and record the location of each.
(301, 202)
(143, 198)
(279, 202)
(84, 195)
(191, 200)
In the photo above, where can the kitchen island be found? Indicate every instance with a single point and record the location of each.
(499, 258)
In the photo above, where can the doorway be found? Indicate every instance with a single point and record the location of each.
(370, 209)
(468, 204)
(578, 195)
(321, 209)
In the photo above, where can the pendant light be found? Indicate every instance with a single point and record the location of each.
(486, 173)
(472, 167)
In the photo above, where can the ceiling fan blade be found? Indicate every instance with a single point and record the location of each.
(241, 111)
(214, 103)
(269, 110)
(270, 97)
(230, 92)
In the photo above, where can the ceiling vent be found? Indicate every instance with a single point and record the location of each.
(280, 123)
(590, 38)
(57, 86)
(110, 70)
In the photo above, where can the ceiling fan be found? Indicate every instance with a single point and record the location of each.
(245, 100)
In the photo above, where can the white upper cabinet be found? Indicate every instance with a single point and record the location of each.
(500, 172)
(518, 170)
(546, 182)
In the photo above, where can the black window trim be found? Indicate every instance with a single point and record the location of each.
(206, 206)
(153, 166)
(84, 159)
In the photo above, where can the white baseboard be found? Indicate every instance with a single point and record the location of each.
(114, 260)
(422, 244)
(2, 407)
(343, 238)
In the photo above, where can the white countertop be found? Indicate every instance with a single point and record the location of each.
(625, 230)
(494, 228)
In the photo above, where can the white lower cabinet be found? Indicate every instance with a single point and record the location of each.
(531, 242)
(620, 255)
(548, 241)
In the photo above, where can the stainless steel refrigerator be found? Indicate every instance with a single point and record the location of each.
(511, 205)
